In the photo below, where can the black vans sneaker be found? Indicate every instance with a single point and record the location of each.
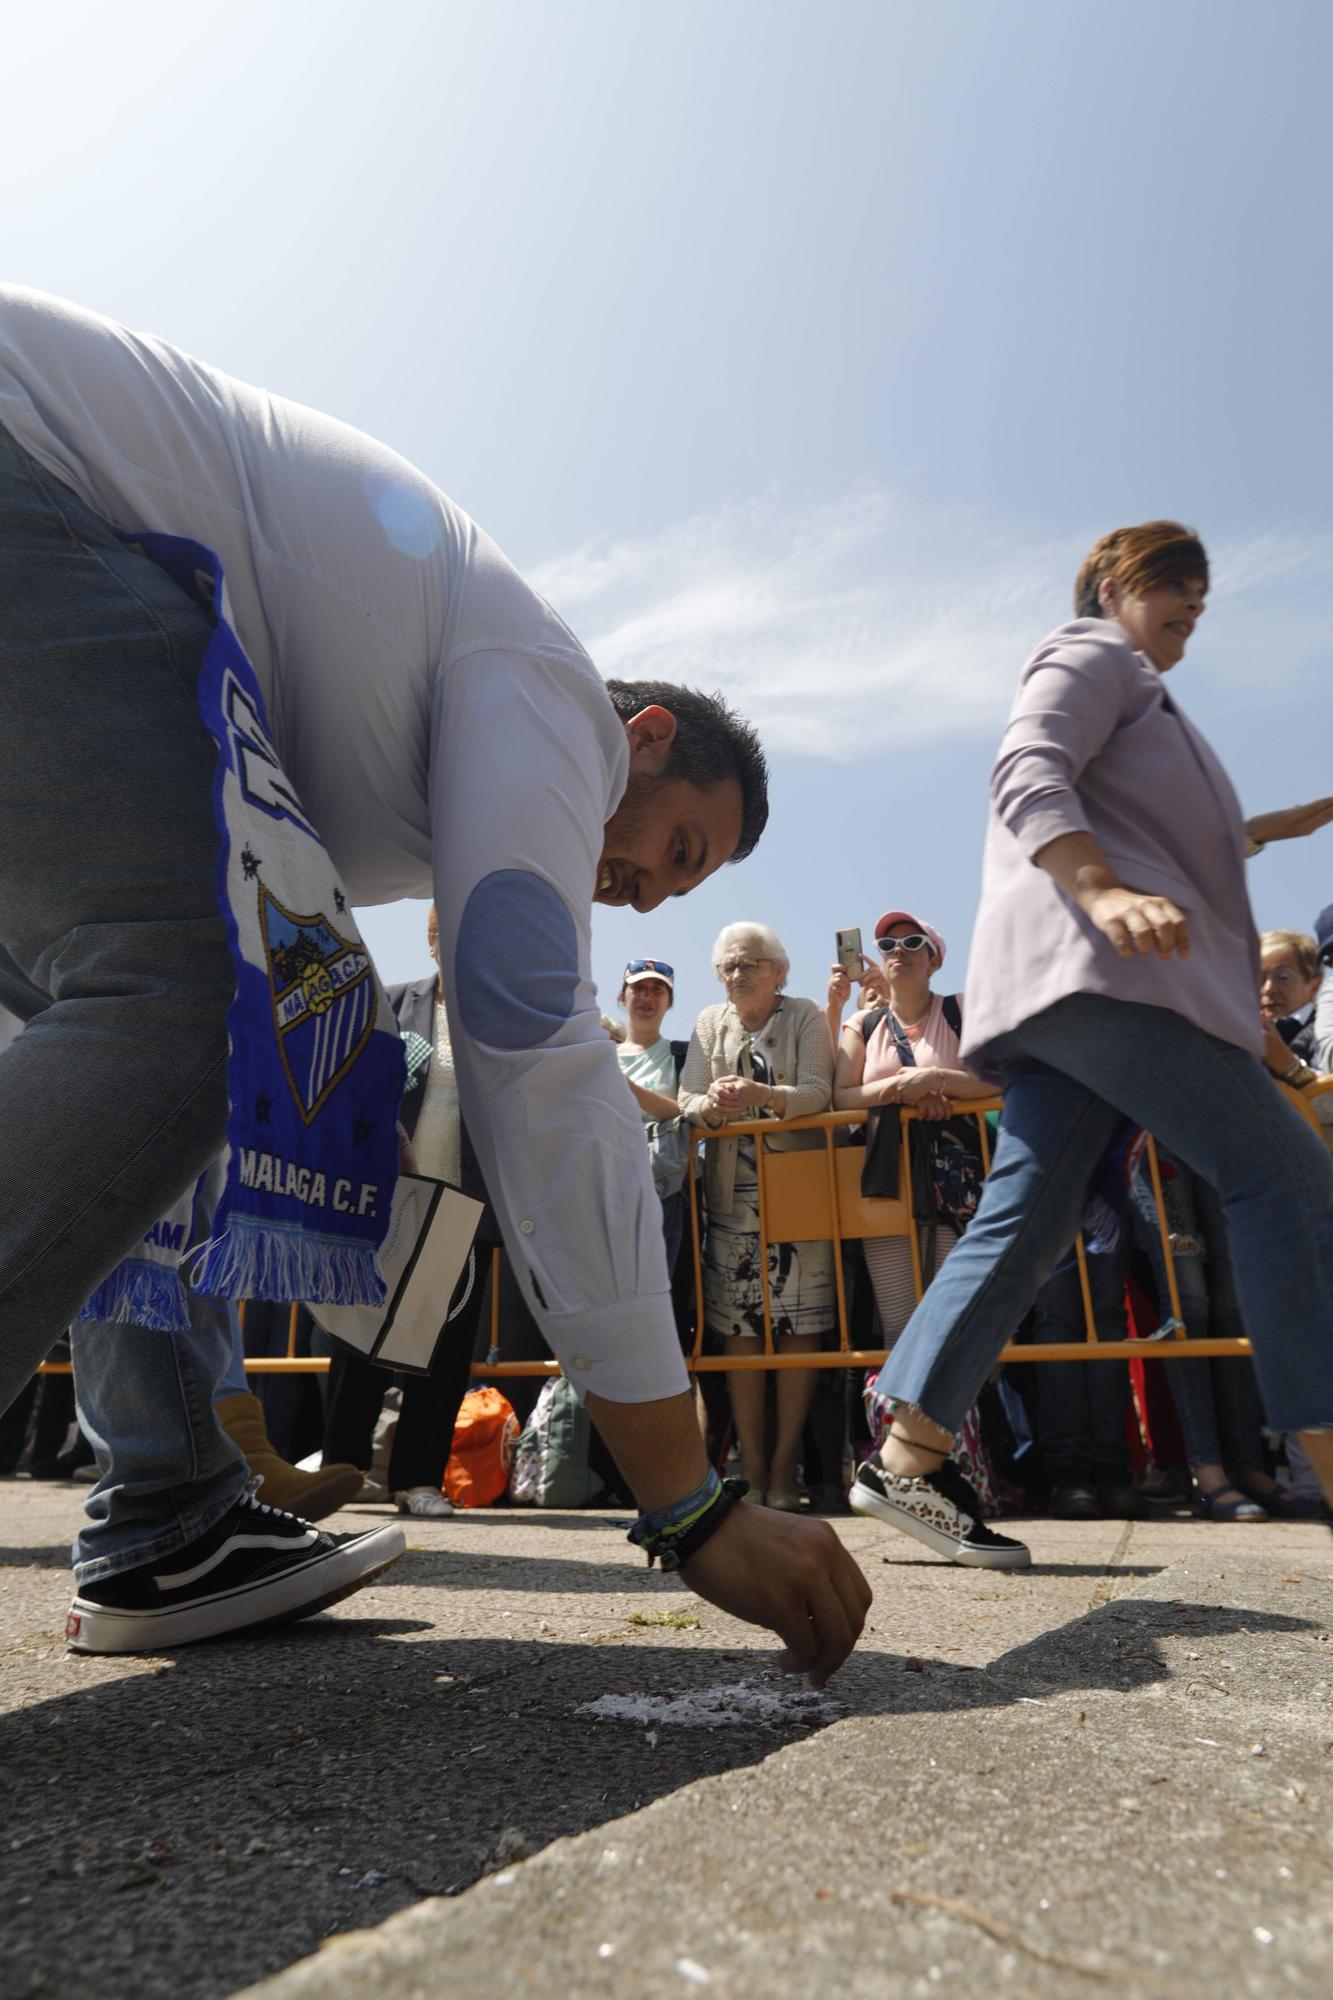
(255, 1566)
(940, 1509)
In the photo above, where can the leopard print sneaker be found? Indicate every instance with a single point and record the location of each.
(939, 1509)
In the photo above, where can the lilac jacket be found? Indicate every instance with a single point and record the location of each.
(1094, 744)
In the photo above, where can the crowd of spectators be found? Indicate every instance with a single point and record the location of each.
(1080, 1441)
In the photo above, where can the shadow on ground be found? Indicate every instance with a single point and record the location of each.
(216, 1815)
(54, 1555)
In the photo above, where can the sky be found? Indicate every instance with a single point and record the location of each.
(794, 350)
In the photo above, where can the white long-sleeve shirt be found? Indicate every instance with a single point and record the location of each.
(448, 736)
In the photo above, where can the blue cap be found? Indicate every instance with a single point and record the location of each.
(1323, 930)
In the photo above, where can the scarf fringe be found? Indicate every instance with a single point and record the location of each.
(145, 1293)
(254, 1260)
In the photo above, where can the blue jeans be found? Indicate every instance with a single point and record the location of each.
(233, 1381)
(1070, 1074)
(166, 1469)
(1217, 1396)
(112, 949)
(1081, 1404)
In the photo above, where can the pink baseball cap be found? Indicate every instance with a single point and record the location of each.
(892, 917)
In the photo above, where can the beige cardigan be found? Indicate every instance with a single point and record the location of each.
(799, 1053)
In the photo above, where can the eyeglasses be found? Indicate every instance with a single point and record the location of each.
(916, 941)
(657, 965)
(741, 968)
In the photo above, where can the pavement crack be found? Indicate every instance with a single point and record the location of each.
(1013, 1939)
(1103, 1592)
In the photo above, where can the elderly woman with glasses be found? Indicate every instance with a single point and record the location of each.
(904, 1052)
(760, 1054)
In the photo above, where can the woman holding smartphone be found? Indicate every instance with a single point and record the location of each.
(1113, 975)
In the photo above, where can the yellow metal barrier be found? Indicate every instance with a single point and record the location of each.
(814, 1196)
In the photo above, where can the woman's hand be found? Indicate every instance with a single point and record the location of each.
(1277, 1056)
(734, 1095)
(924, 1090)
(1138, 924)
(874, 987)
(1291, 823)
(839, 987)
(869, 979)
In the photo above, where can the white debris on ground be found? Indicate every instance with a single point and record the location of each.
(772, 1700)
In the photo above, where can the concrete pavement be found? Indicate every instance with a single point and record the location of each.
(1114, 1771)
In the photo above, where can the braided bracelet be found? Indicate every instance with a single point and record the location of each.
(675, 1533)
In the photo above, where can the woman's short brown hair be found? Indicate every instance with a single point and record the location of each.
(1139, 559)
(1301, 946)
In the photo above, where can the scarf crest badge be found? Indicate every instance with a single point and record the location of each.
(315, 1066)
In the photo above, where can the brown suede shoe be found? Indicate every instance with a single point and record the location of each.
(312, 1495)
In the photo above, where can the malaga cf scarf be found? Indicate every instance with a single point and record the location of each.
(315, 1062)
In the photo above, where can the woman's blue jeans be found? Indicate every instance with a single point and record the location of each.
(113, 1099)
(1070, 1074)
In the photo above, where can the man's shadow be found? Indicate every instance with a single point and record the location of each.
(315, 1777)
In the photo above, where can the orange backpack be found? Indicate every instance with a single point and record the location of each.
(483, 1451)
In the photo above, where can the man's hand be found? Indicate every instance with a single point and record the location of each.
(1138, 924)
(772, 1569)
(1291, 823)
(790, 1574)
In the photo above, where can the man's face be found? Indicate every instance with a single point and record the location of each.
(666, 835)
(1283, 987)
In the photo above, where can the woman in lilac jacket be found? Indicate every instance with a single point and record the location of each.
(1114, 974)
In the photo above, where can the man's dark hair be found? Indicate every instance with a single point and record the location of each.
(712, 743)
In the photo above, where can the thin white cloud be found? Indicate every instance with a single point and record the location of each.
(851, 626)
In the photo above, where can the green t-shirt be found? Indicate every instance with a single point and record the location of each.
(651, 1069)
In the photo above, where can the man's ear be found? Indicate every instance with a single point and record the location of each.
(651, 734)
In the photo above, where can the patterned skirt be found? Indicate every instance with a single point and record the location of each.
(801, 1293)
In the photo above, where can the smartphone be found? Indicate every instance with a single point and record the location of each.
(849, 952)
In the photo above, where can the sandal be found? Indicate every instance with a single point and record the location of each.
(1280, 1504)
(1227, 1503)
